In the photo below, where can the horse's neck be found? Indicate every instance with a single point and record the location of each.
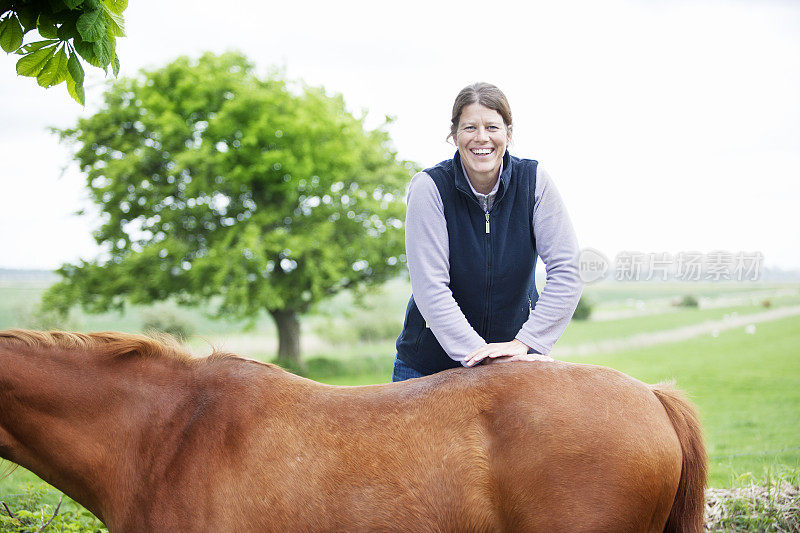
(79, 421)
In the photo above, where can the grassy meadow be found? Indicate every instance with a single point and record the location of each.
(744, 380)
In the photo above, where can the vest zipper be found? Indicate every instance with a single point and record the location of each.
(488, 279)
(485, 329)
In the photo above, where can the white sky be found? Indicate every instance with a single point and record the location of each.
(667, 126)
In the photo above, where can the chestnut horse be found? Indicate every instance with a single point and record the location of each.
(150, 438)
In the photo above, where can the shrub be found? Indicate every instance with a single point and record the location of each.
(166, 321)
(377, 328)
(36, 317)
(688, 301)
(292, 365)
(325, 367)
(31, 512)
(364, 325)
(584, 309)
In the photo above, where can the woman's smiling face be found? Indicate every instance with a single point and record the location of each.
(482, 137)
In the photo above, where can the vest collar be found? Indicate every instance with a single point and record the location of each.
(462, 183)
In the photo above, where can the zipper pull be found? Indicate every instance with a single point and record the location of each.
(487, 222)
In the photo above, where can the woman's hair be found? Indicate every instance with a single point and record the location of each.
(484, 94)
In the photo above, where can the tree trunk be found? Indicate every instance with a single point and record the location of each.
(288, 335)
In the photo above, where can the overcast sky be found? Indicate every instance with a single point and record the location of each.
(667, 126)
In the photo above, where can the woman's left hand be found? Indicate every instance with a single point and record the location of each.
(516, 351)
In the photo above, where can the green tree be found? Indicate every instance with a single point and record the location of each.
(70, 28)
(220, 187)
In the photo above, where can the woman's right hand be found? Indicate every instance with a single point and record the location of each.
(523, 357)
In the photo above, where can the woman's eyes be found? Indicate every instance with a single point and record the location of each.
(489, 128)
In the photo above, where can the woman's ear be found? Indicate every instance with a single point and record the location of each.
(508, 135)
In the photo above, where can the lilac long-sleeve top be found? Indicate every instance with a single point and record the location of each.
(427, 251)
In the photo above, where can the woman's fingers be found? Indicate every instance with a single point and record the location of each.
(497, 349)
(480, 354)
(529, 357)
(495, 352)
(475, 357)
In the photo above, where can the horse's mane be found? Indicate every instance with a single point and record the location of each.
(108, 343)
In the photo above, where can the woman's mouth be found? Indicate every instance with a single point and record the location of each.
(482, 152)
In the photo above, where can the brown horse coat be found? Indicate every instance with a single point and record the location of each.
(150, 439)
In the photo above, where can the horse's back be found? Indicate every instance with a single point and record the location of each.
(511, 446)
(579, 448)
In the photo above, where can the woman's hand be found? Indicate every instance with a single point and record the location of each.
(524, 357)
(514, 350)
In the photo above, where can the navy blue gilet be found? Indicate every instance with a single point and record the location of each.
(492, 261)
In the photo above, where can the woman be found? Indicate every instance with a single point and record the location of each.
(474, 227)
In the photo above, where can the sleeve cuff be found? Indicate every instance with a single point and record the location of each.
(532, 344)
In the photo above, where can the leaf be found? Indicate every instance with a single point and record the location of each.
(32, 63)
(72, 4)
(54, 71)
(75, 68)
(56, 6)
(32, 47)
(75, 90)
(92, 25)
(117, 6)
(86, 51)
(27, 17)
(47, 26)
(115, 65)
(10, 34)
(48, 31)
(68, 28)
(103, 51)
(114, 22)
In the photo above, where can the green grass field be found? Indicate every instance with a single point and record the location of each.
(746, 386)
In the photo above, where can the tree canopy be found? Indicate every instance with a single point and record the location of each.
(70, 28)
(216, 185)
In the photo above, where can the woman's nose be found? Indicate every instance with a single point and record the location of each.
(482, 134)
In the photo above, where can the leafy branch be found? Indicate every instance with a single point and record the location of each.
(70, 28)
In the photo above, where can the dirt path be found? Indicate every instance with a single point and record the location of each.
(641, 340)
